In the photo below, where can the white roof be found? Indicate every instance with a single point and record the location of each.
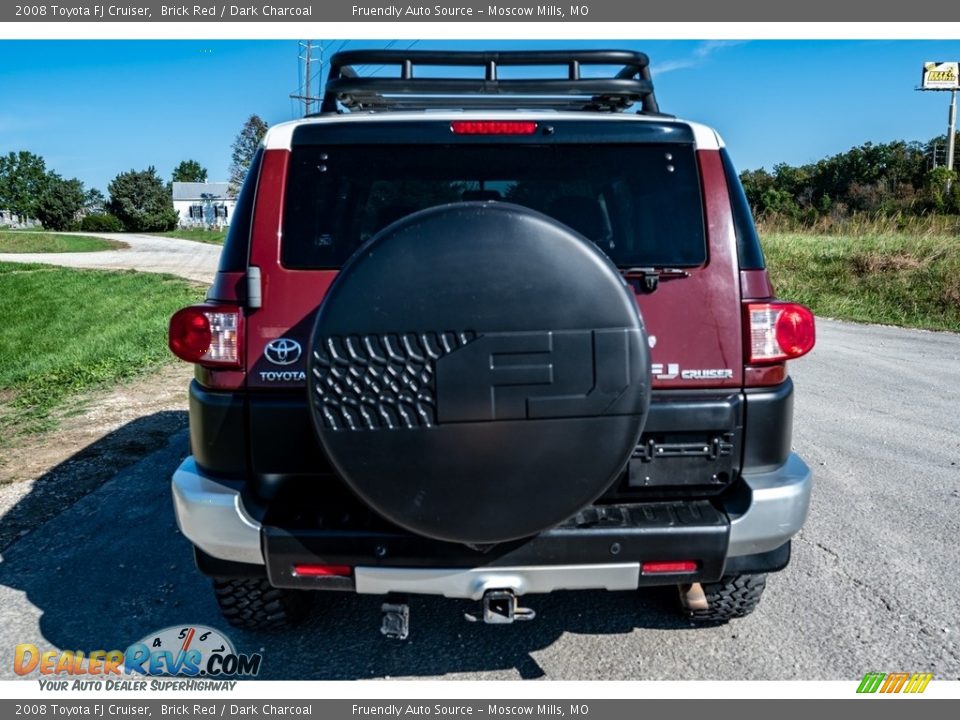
(201, 191)
(280, 136)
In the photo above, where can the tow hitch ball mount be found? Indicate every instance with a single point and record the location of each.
(501, 607)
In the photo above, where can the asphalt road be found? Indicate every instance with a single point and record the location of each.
(872, 585)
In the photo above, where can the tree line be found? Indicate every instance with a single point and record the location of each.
(139, 200)
(895, 178)
(905, 178)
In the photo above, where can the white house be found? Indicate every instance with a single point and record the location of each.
(203, 204)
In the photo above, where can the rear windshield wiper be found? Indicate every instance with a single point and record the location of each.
(650, 277)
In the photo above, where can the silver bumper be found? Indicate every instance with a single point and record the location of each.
(472, 583)
(778, 508)
(211, 515)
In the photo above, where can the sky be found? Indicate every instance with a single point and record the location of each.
(93, 109)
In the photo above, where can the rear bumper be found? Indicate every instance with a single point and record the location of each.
(779, 503)
(604, 553)
(472, 583)
(210, 514)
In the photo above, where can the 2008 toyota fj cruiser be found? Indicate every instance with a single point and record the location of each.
(482, 336)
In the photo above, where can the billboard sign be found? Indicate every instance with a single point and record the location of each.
(941, 76)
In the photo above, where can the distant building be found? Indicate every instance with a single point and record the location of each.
(12, 220)
(203, 205)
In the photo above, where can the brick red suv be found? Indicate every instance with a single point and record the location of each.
(482, 335)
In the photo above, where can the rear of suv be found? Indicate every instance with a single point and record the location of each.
(483, 336)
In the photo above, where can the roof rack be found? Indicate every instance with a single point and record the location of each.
(347, 89)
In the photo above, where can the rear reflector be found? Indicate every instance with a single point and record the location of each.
(322, 570)
(779, 331)
(207, 334)
(671, 566)
(492, 127)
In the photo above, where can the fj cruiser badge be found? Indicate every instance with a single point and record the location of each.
(669, 371)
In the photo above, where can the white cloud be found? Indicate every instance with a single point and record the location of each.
(700, 55)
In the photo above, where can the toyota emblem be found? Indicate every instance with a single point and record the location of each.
(282, 351)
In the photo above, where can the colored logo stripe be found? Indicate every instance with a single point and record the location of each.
(894, 682)
(871, 682)
(918, 682)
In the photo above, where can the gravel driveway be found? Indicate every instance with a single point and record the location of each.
(147, 253)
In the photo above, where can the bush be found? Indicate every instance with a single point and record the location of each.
(101, 222)
(142, 202)
(938, 197)
(59, 202)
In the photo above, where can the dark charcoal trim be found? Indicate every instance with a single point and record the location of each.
(218, 436)
(771, 561)
(237, 245)
(768, 427)
(749, 251)
(424, 132)
(215, 567)
(622, 533)
(284, 450)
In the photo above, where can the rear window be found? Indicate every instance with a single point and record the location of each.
(640, 204)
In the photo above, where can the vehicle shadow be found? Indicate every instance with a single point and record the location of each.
(106, 569)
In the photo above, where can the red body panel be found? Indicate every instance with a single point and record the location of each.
(755, 285)
(289, 297)
(697, 320)
(694, 322)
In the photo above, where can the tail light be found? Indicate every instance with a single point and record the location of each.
(778, 331)
(493, 127)
(208, 335)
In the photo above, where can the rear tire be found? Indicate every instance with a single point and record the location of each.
(254, 604)
(735, 596)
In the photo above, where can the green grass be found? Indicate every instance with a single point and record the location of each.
(214, 237)
(66, 331)
(18, 241)
(891, 279)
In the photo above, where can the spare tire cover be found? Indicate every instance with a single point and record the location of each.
(479, 372)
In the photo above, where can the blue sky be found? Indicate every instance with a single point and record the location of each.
(93, 109)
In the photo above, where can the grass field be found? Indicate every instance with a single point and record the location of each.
(214, 237)
(19, 241)
(67, 331)
(893, 279)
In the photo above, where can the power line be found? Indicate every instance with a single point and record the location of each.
(389, 45)
(305, 92)
(305, 74)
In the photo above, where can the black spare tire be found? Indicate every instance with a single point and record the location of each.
(479, 373)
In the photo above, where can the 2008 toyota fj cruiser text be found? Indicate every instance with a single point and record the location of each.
(487, 336)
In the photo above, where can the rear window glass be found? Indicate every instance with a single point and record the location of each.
(640, 204)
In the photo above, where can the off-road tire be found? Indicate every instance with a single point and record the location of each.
(253, 604)
(735, 596)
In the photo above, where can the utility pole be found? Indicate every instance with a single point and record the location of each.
(306, 95)
(944, 76)
(952, 131)
(308, 80)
